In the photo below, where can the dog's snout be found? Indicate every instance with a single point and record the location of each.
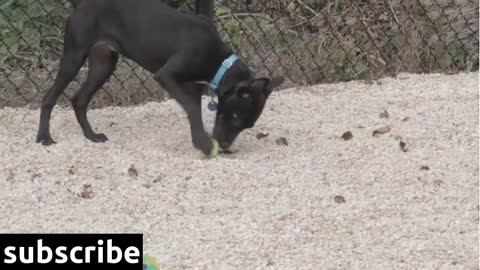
(224, 144)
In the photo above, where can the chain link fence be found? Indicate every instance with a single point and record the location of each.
(306, 41)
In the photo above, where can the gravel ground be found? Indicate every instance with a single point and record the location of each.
(322, 202)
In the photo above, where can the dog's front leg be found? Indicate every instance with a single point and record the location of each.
(189, 96)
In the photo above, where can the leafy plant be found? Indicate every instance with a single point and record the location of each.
(30, 28)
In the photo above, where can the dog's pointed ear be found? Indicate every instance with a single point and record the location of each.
(266, 85)
(274, 83)
(259, 85)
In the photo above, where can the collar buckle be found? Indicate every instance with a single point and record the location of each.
(226, 65)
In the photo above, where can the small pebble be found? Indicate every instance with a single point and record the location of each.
(262, 135)
(339, 199)
(384, 114)
(87, 192)
(282, 141)
(132, 171)
(382, 130)
(347, 136)
(438, 182)
(147, 186)
(425, 168)
(403, 146)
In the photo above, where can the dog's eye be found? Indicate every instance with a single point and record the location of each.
(235, 116)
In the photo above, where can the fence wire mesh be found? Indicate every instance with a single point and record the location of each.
(306, 41)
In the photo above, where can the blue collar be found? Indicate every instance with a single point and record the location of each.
(226, 65)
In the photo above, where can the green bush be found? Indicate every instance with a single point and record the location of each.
(307, 41)
(30, 28)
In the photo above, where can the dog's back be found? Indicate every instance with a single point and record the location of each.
(149, 31)
(202, 7)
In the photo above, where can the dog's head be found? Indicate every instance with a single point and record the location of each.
(240, 107)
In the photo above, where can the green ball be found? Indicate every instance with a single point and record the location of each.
(213, 153)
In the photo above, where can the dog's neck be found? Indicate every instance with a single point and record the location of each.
(237, 73)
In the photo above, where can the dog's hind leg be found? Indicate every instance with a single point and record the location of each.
(69, 66)
(102, 59)
(75, 51)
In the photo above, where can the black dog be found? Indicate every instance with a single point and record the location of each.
(181, 50)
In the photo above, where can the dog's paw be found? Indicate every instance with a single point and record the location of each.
(45, 140)
(97, 138)
(213, 152)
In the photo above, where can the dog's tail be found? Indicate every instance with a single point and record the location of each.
(74, 3)
(202, 7)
